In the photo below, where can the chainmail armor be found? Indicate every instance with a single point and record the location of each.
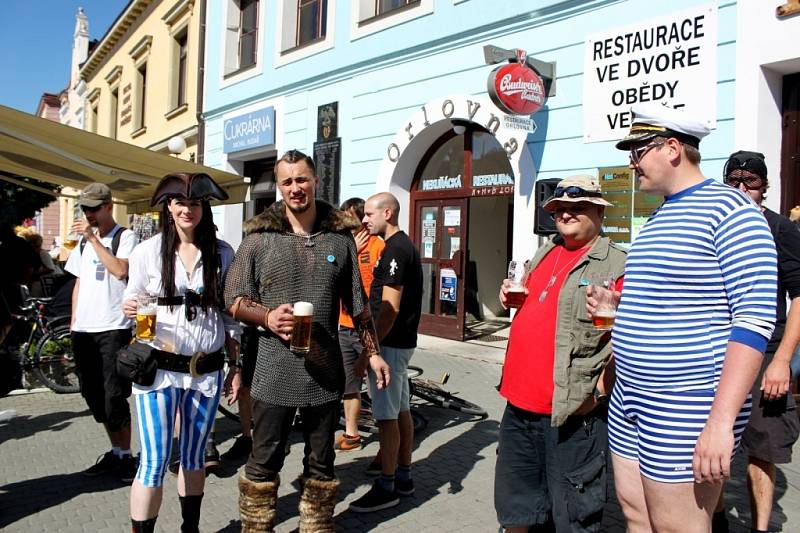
(274, 266)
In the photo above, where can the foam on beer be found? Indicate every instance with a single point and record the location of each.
(303, 309)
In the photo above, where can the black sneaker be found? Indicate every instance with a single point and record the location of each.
(128, 465)
(241, 448)
(376, 499)
(404, 488)
(212, 456)
(105, 464)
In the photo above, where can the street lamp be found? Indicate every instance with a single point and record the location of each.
(176, 145)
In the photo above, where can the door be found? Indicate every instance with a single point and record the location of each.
(790, 144)
(441, 230)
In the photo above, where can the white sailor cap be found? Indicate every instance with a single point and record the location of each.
(656, 120)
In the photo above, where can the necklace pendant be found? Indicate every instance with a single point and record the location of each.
(309, 243)
(543, 296)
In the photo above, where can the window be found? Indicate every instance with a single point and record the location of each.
(112, 110)
(372, 16)
(241, 37)
(384, 6)
(312, 18)
(181, 70)
(141, 95)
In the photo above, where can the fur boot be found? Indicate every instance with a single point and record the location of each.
(257, 502)
(316, 505)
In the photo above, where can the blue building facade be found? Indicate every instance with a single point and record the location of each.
(393, 97)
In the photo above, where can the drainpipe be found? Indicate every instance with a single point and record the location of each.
(201, 59)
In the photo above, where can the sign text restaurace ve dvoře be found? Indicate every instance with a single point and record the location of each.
(675, 33)
(448, 108)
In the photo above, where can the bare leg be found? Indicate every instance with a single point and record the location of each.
(523, 529)
(191, 483)
(761, 485)
(406, 425)
(120, 439)
(145, 501)
(630, 493)
(352, 408)
(681, 507)
(246, 411)
(389, 436)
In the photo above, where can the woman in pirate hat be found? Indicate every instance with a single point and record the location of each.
(184, 266)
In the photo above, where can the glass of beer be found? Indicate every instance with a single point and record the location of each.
(71, 241)
(515, 294)
(301, 328)
(146, 316)
(603, 286)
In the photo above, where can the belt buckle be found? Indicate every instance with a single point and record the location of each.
(193, 364)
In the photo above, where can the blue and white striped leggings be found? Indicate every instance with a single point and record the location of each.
(156, 412)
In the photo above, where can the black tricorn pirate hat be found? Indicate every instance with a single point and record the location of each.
(199, 186)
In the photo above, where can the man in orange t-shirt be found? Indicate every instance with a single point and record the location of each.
(369, 250)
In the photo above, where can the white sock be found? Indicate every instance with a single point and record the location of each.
(116, 451)
(123, 453)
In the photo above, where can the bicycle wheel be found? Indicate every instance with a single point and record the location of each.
(54, 362)
(420, 422)
(413, 371)
(230, 411)
(431, 392)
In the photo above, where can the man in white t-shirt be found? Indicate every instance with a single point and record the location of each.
(99, 329)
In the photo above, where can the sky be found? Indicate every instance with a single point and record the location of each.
(36, 45)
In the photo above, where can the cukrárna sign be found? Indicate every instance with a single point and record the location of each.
(670, 59)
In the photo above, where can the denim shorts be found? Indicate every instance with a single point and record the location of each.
(387, 403)
(551, 476)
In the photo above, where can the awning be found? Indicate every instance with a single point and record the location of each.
(56, 153)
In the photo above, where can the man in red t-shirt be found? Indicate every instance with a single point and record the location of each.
(551, 456)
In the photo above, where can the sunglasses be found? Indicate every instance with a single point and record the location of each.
(94, 209)
(574, 191)
(751, 183)
(637, 154)
(573, 209)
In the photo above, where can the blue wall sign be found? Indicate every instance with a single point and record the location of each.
(251, 130)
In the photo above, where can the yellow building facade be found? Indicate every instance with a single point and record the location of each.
(141, 78)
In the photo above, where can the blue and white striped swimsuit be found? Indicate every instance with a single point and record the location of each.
(702, 272)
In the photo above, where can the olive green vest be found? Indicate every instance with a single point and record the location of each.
(581, 351)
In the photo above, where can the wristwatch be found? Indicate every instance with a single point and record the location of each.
(599, 396)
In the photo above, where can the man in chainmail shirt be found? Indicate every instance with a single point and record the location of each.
(300, 249)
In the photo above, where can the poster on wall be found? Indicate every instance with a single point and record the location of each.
(448, 285)
(327, 156)
(671, 60)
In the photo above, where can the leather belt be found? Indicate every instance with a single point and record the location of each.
(190, 300)
(196, 365)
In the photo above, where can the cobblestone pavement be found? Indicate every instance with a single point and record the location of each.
(53, 438)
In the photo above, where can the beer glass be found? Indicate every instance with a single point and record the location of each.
(71, 240)
(301, 328)
(606, 310)
(515, 294)
(146, 316)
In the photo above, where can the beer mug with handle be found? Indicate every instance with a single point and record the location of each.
(301, 328)
(146, 312)
(603, 286)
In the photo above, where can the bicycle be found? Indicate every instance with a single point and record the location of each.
(47, 351)
(432, 392)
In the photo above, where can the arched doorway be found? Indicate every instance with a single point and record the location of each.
(461, 220)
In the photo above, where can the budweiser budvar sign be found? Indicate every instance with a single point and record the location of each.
(516, 88)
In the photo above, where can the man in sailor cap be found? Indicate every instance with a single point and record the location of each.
(691, 329)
